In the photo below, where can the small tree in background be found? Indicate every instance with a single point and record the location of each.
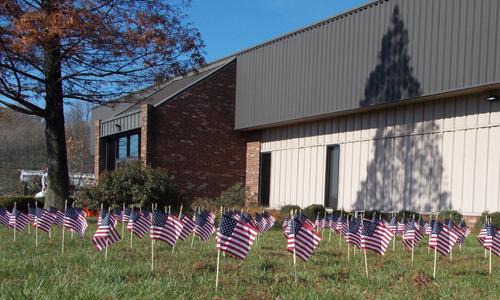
(57, 51)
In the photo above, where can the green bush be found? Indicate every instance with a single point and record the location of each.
(21, 202)
(231, 198)
(312, 211)
(132, 183)
(285, 210)
(456, 217)
(495, 220)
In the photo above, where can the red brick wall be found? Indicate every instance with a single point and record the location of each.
(192, 136)
(98, 151)
(252, 168)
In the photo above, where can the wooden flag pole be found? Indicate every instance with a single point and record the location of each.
(348, 248)
(62, 241)
(221, 213)
(106, 251)
(15, 223)
(413, 244)
(123, 223)
(131, 235)
(179, 217)
(323, 230)
(36, 227)
(217, 272)
(192, 239)
(366, 259)
(490, 252)
(394, 239)
(340, 236)
(152, 245)
(294, 254)
(330, 229)
(71, 230)
(29, 223)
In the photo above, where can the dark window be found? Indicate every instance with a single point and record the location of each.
(332, 176)
(265, 179)
(134, 146)
(122, 148)
(110, 155)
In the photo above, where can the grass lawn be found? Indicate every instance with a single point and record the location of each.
(267, 273)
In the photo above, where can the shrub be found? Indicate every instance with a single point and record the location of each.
(21, 202)
(456, 217)
(232, 198)
(132, 183)
(495, 220)
(312, 211)
(285, 210)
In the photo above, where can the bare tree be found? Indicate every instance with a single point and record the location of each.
(57, 51)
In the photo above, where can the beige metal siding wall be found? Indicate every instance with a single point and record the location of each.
(431, 156)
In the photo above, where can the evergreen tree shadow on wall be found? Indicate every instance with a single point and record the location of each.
(406, 167)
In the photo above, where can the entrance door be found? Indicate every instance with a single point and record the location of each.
(265, 179)
(332, 176)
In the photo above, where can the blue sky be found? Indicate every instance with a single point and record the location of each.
(229, 26)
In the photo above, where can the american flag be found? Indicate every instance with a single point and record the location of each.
(138, 223)
(302, 237)
(482, 234)
(332, 221)
(458, 232)
(43, 219)
(5, 217)
(18, 220)
(492, 239)
(339, 226)
(75, 219)
(31, 214)
(393, 225)
(260, 222)
(117, 214)
(412, 234)
(465, 230)
(126, 214)
(401, 227)
(59, 216)
(345, 227)
(106, 234)
(442, 238)
(319, 223)
(188, 226)
(286, 227)
(235, 237)
(429, 226)
(204, 224)
(375, 236)
(165, 228)
(352, 235)
(270, 220)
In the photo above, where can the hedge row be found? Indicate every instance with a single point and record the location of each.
(21, 202)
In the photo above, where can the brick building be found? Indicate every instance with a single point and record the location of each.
(184, 126)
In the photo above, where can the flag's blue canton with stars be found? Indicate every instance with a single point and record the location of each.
(492, 239)
(106, 234)
(5, 217)
(352, 235)
(204, 225)
(138, 223)
(442, 239)
(302, 238)
(117, 214)
(457, 231)
(235, 237)
(465, 230)
(158, 230)
(75, 219)
(43, 219)
(375, 236)
(259, 222)
(411, 235)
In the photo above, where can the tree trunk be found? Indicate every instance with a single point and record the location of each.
(58, 182)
